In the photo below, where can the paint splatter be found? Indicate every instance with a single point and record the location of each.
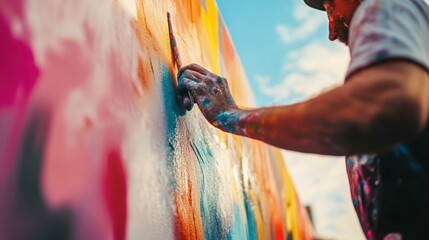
(112, 154)
(115, 192)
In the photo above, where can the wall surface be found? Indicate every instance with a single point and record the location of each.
(93, 144)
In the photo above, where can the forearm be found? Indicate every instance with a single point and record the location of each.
(292, 127)
(333, 123)
(302, 127)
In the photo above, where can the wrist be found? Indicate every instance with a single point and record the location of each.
(230, 120)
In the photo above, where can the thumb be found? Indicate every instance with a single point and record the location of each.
(187, 101)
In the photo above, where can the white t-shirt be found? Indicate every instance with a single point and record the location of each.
(389, 29)
(390, 191)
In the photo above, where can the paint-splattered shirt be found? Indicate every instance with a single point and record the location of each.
(390, 191)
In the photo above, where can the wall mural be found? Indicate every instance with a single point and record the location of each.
(93, 143)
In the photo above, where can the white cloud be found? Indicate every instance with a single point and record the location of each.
(322, 183)
(308, 71)
(271, 91)
(302, 12)
(291, 34)
(309, 23)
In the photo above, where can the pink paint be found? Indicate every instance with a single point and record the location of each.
(65, 71)
(115, 193)
(18, 72)
(67, 163)
(18, 76)
(67, 167)
(90, 64)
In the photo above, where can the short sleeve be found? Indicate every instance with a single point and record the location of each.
(389, 29)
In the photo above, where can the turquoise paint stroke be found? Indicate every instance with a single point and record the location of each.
(209, 190)
(251, 222)
(172, 111)
(239, 225)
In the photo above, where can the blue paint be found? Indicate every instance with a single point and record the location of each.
(228, 121)
(230, 101)
(172, 111)
(402, 151)
(209, 190)
(206, 102)
(238, 229)
(208, 177)
(349, 161)
(251, 223)
(381, 56)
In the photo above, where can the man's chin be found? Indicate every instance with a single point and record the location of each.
(345, 42)
(343, 39)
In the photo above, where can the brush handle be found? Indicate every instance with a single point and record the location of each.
(188, 100)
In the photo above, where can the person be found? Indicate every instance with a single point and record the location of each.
(378, 118)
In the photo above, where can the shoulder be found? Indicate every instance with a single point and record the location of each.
(395, 15)
(384, 30)
(374, 8)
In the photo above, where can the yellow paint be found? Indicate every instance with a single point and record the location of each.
(199, 34)
(210, 20)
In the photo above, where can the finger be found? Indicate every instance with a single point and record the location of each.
(201, 70)
(196, 68)
(193, 75)
(185, 85)
(184, 89)
(187, 102)
(189, 88)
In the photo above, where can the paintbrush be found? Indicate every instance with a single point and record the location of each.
(187, 101)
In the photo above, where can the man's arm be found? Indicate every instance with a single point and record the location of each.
(376, 108)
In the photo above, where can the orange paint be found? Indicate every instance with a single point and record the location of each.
(104, 156)
(142, 75)
(188, 221)
(230, 60)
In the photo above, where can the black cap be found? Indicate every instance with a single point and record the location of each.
(317, 4)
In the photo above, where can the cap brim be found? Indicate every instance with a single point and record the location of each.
(317, 4)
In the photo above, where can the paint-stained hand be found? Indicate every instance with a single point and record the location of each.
(209, 91)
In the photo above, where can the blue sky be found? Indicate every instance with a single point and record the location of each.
(270, 38)
(285, 51)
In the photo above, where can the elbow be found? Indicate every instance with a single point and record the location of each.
(399, 120)
(392, 101)
(386, 122)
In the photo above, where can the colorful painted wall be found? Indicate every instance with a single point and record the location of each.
(93, 144)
